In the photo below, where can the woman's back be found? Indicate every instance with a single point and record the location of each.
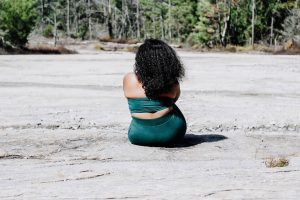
(133, 90)
(152, 90)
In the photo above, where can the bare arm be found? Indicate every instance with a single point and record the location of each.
(131, 86)
(127, 84)
(124, 83)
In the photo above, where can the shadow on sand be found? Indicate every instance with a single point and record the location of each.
(192, 140)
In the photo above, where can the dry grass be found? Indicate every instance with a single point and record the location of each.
(37, 49)
(118, 40)
(277, 162)
(45, 49)
(99, 46)
(249, 49)
(117, 47)
(287, 51)
(131, 49)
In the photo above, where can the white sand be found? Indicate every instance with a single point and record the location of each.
(63, 126)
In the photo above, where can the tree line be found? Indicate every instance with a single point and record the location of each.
(206, 22)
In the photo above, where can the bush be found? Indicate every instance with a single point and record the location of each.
(1, 39)
(17, 20)
(48, 31)
(193, 39)
(83, 32)
(292, 26)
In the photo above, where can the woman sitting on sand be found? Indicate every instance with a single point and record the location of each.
(152, 91)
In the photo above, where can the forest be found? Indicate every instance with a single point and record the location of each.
(208, 23)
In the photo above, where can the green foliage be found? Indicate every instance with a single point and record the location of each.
(154, 13)
(83, 32)
(291, 26)
(48, 31)
(17, 20)
(184, 18)
(205, 29)
(240, 24)
(164, 20)
(210, 27)
(201, 22)
(1, 39)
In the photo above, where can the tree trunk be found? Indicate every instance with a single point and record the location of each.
(76, 19)
(227, 19)
(138, 32)
(162, 27)
(55, 28)
(154, 26)
(90, 19)
(68, 18)
(145, 29)
(170, 17)
(42, 12)
(272, 31)
(253, 22)
(178, 33)
(123, 26)
(219, 22)
(128, 22)
(109, 20)
(115, 25)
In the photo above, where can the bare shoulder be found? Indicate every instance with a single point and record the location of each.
(131, 86)
(129, 79)
(129, 75)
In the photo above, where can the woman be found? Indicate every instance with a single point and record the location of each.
(152, 91)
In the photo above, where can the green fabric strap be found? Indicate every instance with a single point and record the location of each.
(146, 105)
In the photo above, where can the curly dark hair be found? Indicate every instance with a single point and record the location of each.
(157, 67)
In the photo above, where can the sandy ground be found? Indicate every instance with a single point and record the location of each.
(63, 130)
